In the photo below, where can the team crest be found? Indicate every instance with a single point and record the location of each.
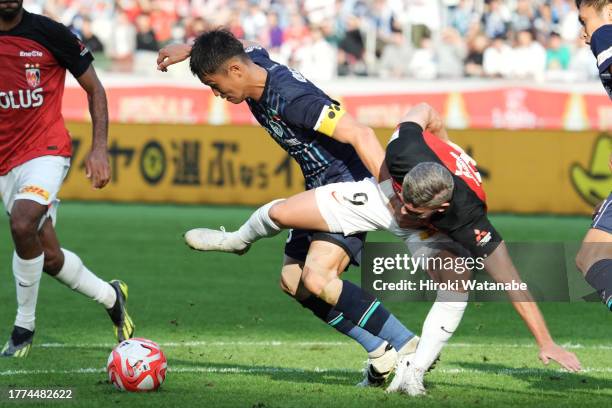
(32, 73)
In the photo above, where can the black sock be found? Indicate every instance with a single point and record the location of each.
(362, 308)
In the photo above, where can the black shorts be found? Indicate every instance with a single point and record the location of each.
(603, 218)
(298, 243)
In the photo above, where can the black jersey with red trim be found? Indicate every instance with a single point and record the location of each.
(465, 220)
(34, 57)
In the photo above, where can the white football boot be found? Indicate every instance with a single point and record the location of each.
(205, 239)
(378, 369)
(408, 378)
(404, 354)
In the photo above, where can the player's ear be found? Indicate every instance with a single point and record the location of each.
(235, 68)
(443, 207)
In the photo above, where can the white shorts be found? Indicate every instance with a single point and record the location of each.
(39, 180)
(358, 206)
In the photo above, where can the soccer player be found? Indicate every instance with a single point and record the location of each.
(433, 182)
(328, 144)
(35, 150)
(596, 19)
(594, 259)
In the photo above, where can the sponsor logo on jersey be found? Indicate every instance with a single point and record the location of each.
(21, 99)
(297, 75)
(32, 73)
(482, 237)
(31, 54)
(39, 191)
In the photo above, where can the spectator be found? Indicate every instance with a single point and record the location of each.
(145, 37)
(497, 58)
(254, 23)
(275, 32)
(91, 41)
(123, 43)
(523, 17)
(495, 20)
(528, 58)
(393, 61)
(316, 58)
(557, 54)
(423, 63)
(474, 63)
(461, 16)
(353, 47)
(450, 54)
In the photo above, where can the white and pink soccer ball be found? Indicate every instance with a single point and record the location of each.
(137, 365)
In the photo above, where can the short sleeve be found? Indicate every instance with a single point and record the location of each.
(69, 51)
(314, 112)
(478, 236)
(601, 45)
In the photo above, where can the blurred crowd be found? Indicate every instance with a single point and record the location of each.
(420, 39)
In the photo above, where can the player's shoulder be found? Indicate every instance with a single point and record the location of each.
(45, 25)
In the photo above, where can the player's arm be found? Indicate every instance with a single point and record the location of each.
(362, 138)
(428, 118)
(501, 268)
(175, 53)
(96, 164)
(482, 240)
(72, 55)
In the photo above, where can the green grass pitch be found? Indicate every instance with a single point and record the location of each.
(232, 338)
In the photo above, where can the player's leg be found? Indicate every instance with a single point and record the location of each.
(594, 260)
(28, 259)
(439, 326)
(346, 208)
(355, 304)
(328, 257)
(68, 268)
(381, 357)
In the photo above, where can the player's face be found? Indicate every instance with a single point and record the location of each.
(591, 20)
(422, 213)
(228, 84)
(9, 9)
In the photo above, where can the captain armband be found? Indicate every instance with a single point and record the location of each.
(329, 118)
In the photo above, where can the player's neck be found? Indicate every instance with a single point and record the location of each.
(7, 25)
(257, 84)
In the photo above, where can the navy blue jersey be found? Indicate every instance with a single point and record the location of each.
(301, 119)
(601, 45)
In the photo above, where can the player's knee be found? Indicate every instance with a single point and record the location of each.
(23, 227)
(587, 256)
(276, 213)
(54, 261)
(287, 285)
(314, 281)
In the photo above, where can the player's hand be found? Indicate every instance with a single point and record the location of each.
(97, 168)
(566, 359)
(172, 54)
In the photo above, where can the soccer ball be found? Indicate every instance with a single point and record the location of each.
(137, 365)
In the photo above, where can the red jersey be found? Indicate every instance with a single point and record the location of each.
(34, 57)
(465, 219)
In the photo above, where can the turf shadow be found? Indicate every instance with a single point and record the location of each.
(285, 374)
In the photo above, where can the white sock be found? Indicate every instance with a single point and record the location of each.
(27, 274)
(439, 326)
(259, 225)
(77, 277)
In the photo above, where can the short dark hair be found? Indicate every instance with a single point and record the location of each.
(212, 49)
(597, 4)
(428, 184)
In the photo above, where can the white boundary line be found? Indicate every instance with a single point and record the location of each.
(317, 370)
(308, 344)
